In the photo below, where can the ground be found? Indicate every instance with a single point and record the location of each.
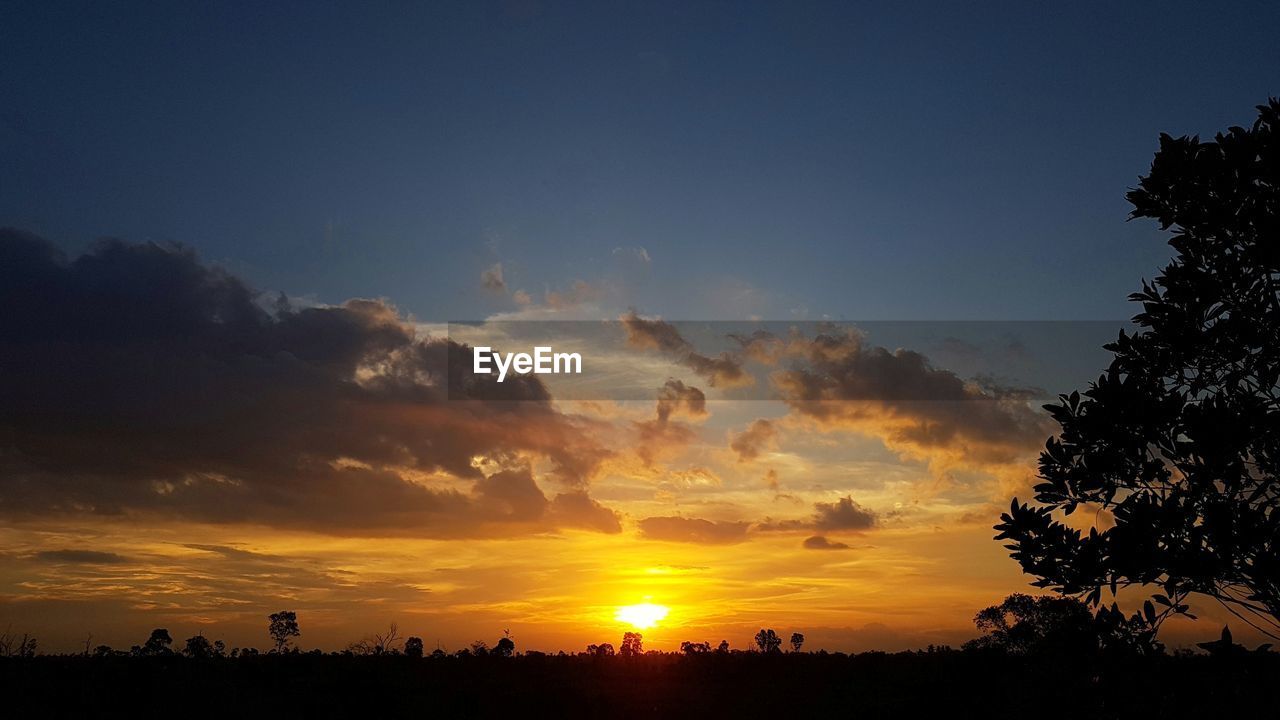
(872, 685)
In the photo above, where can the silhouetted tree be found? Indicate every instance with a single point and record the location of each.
(13, 646)
(632, 644)
(1054, 625)
(158, 643)
(283, 628)
(1179, 439)
(506, 646)
(413, 647)
(384, 643)
(103, 651)
(723, 647)
(601, 650)
(26, 647)
(695, 648)
(797, 640)
(480, 648)
(198, 647)
(768, 641)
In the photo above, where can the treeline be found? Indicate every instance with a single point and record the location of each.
(1021, 625)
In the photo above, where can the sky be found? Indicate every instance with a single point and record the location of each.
(199, 436)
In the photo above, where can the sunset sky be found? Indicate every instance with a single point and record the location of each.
(824, 264)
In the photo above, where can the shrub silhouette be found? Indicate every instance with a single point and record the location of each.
(1179, 440)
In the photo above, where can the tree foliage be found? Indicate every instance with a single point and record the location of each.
(413, 647)
(198, 647)
(797, 641)
(1060, 626)
(768, 641)
(158, 643)
(632, 644)
(1178, 441)
(601, 650)
(283, 627)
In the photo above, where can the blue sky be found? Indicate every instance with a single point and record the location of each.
(859, 161)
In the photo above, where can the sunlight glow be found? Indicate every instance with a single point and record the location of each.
(642, 616)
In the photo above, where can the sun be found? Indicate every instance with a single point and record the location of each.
(642, 616)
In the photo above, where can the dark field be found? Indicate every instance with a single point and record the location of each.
(945, 684)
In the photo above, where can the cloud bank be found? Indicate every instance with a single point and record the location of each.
(139, 380)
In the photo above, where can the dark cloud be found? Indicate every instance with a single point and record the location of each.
(676, 397)
(820, 542)
(577, 509)
(694, 530)
(663, 433)
(491, 279)
(720, 371)
(842, 515)
(748, 444)
(81, 557)
(137, 379)
(839, 381)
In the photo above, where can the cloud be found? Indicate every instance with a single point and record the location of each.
(579, 301)
(842, 515)
(664, 434)
(694, 477)
(676, 397)
(580, 292)
(84, 557)
(840, 382)
(693, 530)
(577, 509)
(491, 279)
(820, 542)
(721, 371)
(139, 380)
(748, 444)
(634, 254)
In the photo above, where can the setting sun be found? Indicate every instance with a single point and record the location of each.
(642, 616)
